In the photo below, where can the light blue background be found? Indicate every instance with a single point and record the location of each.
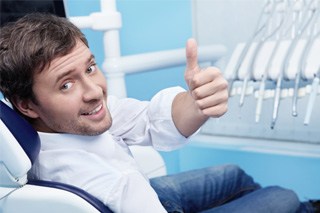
(153, 25)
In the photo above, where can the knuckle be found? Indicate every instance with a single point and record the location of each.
(223, 109)
(200, 104)
(216, 112)
(223, 84)
(222, 98)
(225, 97)
(195, 80)
(207, 113)
(196, 94)
(215, 71)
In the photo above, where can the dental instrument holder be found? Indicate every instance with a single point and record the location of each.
(276, 60)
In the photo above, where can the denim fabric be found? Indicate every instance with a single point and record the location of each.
(222, 189)
(305, 207)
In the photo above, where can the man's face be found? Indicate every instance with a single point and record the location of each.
(71, 95)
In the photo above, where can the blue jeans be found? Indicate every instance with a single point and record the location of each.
(223, 189)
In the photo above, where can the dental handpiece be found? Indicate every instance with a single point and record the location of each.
(276, 104)
(279, 81)
(260, 98)
(239, 63)
(263, 82)
(264, 77)
(306, 50)
(253, 60)
(312, 98)
(298, 77)
(249, 73)
(260, 44)
(250, 42)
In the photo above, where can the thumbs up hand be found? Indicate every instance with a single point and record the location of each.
(207, 87)
(207, 95)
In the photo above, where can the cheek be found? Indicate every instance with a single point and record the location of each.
(59, 108)
(102, 82)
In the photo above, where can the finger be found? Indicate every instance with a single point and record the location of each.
(192, 55)
(216, 111)
(204, 91)
(210, 88)
(206, 76)
(219, 98)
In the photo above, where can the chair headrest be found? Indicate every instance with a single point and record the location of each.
(19, 142)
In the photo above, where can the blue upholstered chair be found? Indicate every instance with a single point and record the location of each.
(19, 147)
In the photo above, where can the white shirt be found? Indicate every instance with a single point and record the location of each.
(102, 165)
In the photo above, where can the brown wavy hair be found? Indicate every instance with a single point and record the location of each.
(28, 45)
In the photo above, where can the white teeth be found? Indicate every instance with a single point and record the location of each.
(94, 111)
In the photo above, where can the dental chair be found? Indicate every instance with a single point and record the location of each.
(20, 146)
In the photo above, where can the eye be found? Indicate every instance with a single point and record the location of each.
(91, 69)
(66, 86)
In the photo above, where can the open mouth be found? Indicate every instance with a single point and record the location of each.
(95, 111)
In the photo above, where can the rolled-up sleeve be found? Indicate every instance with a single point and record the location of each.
(164, 134)
(147, 123)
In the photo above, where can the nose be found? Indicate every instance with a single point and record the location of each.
(91, 90)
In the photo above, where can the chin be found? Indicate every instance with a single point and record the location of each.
(91, 132)
(97, 131)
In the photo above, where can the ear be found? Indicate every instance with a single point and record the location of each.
(26, 107)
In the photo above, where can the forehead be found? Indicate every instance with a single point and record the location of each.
(76, 59)
(77, 54)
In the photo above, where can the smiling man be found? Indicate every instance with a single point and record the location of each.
(50, 76)
(77, 102)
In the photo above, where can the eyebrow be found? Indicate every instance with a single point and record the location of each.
(62, 75)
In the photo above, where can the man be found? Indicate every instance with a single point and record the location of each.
(50, 76)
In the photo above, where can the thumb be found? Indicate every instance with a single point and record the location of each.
(192, 59)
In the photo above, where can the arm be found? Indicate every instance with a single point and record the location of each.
(207, 95)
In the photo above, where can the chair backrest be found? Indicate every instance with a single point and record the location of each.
(20, 145)
(19, 148)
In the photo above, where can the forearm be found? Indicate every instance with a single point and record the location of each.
(186, 115)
